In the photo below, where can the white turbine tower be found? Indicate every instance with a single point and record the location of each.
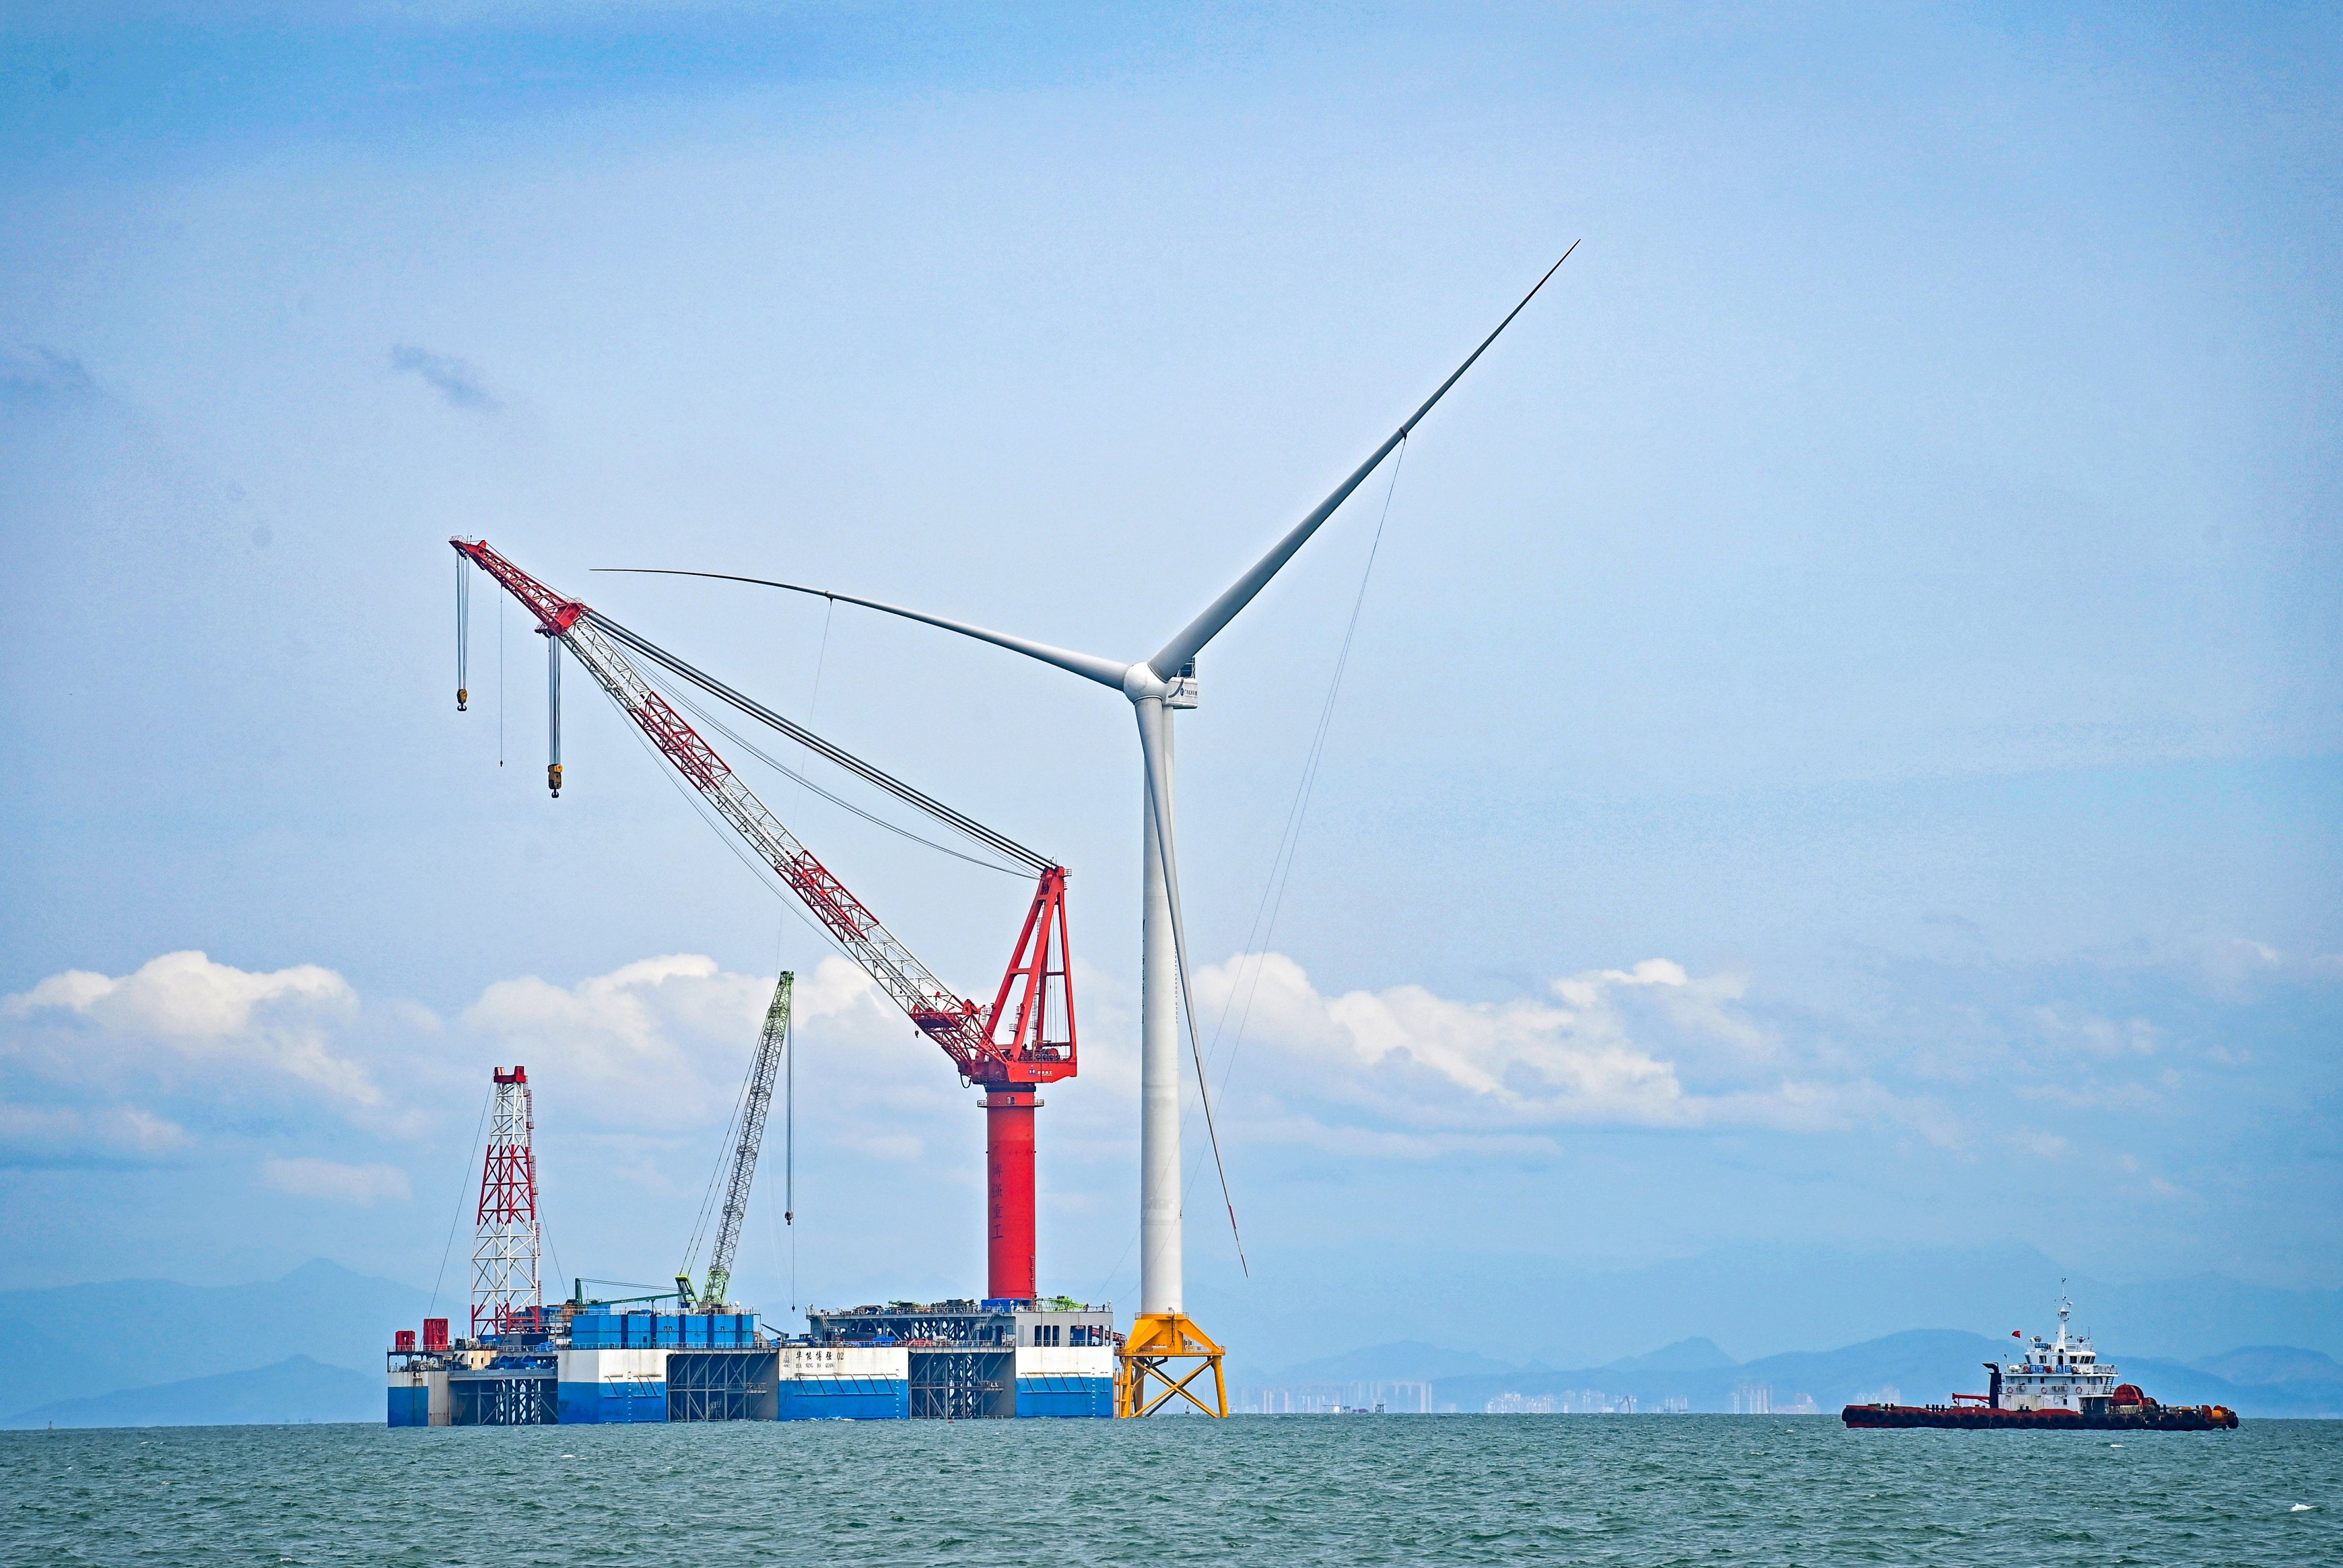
(1155, 687)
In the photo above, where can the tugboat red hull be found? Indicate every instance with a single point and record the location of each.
(2141, 1418)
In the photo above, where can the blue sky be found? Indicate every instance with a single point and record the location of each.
(1840, 749)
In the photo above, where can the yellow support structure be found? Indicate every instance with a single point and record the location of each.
(1138, 1366)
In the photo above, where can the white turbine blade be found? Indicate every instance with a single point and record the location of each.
(1159, 792)
(1105, 671)
(1176, 653)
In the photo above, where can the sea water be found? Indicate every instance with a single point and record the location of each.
(1528, 1489)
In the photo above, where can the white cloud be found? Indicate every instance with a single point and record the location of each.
(335, 1183)
(121, 1131)
(1427, 1063)
(2087, 1097)
(662, 1043)
(655, 1048)
(2041, 1145)
(2237, 969)
(613, 1034)
(2078, 1030)
(185, 1004)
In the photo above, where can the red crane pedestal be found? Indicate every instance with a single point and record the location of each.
(1009, 1192)
(1030, 1041)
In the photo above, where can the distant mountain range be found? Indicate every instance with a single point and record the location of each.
(309, 1346)
(295, 1389)
(1919, 1367)
(76, 1342)
(1530, 1308)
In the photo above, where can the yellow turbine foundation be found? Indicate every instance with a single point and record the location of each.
(1144, 1383)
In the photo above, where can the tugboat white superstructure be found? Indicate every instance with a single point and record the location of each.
(2063, 1374)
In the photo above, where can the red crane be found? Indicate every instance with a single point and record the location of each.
(1007, 1050)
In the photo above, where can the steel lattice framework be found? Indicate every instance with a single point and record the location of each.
(507, 1294)
(721, 1385)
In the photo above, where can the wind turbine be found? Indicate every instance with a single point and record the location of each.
(1157, 687)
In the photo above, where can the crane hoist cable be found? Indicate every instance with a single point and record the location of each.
(724, 1155)
(463, 636)
(673, 693)
(997, 841)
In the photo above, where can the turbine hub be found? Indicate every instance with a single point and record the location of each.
(1140, 683)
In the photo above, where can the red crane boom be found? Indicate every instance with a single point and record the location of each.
(1005, 1049)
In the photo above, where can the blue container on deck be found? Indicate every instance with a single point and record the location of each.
(696, 1327)
(667, 1329)
(638, 1335)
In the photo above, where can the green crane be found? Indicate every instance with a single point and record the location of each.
(772, 1047)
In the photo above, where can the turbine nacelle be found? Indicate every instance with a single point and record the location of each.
(1141, 684)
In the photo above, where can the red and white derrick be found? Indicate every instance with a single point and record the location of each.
(507, 1292)
(1007, 1050)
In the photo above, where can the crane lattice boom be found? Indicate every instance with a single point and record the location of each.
(1008, 1048)
(759, 1100)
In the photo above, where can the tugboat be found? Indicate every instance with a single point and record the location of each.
(2059, 1385)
